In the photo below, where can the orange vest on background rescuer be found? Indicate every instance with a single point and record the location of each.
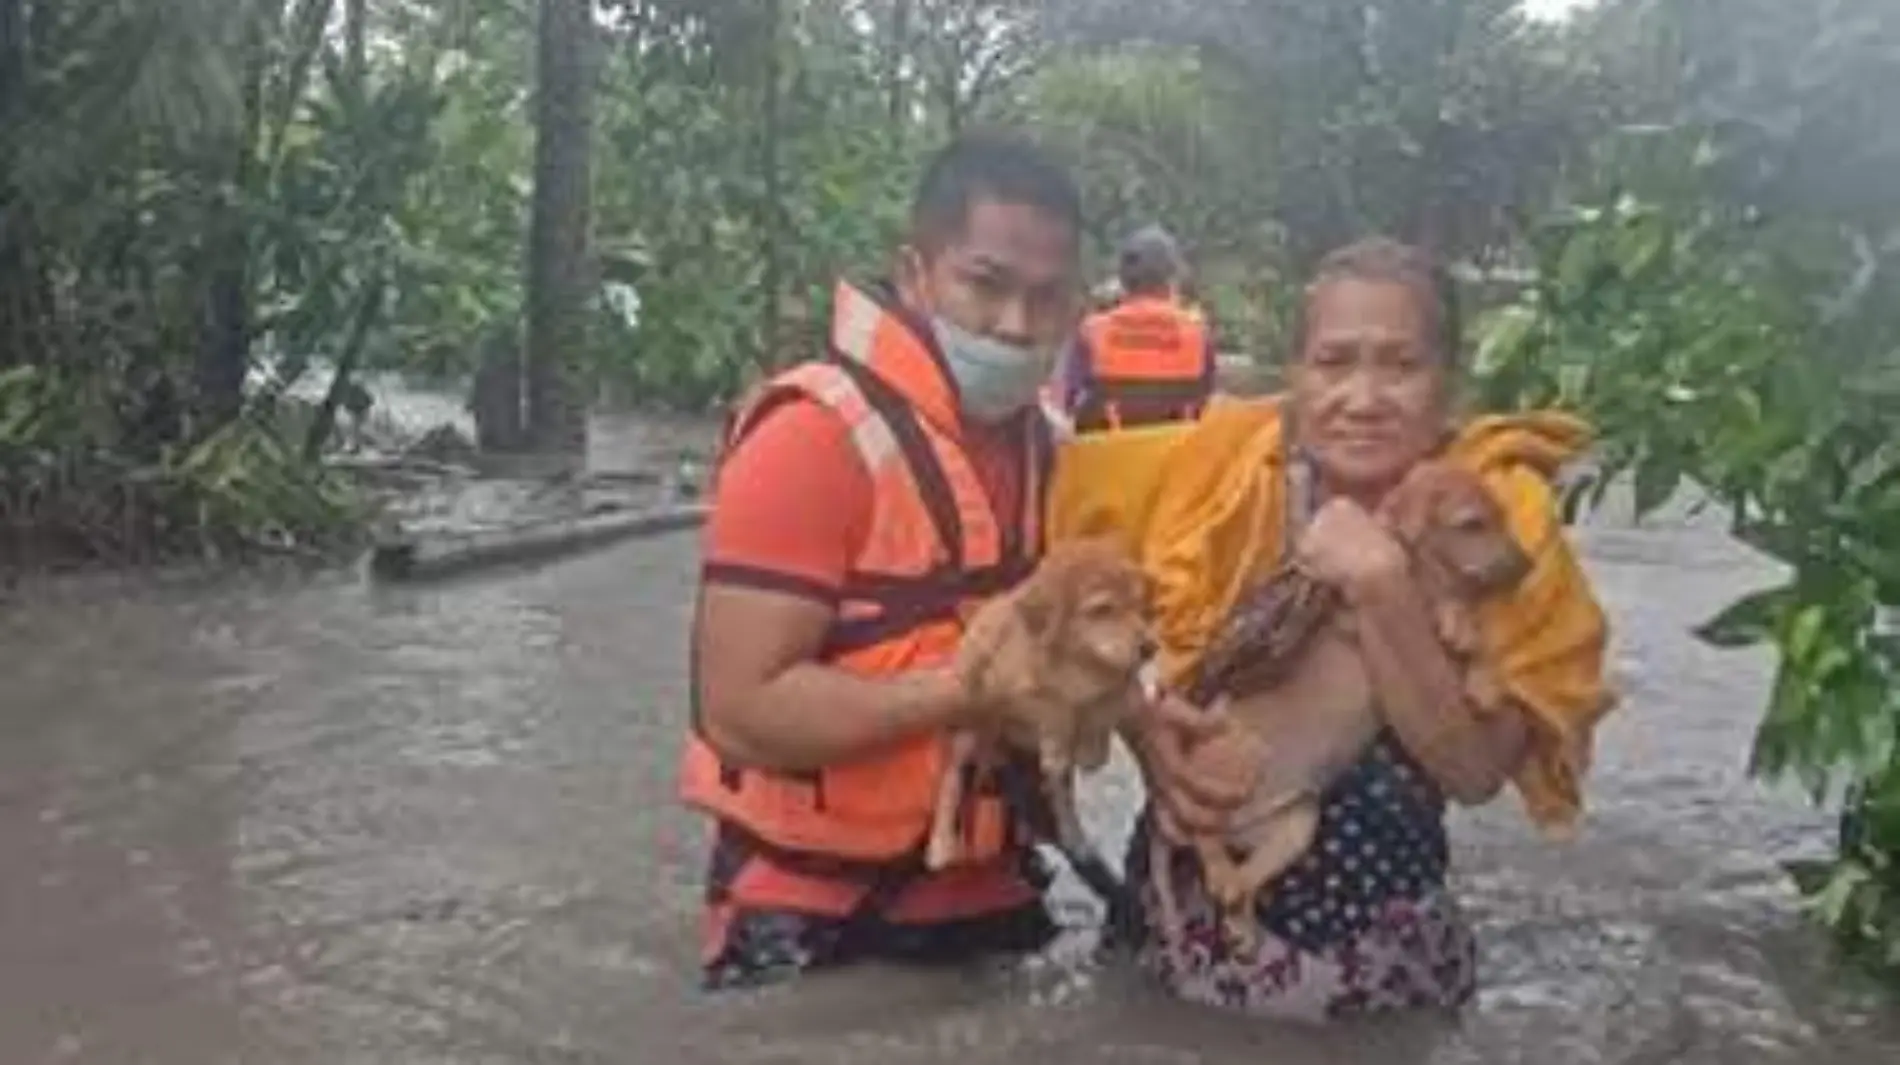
(1143, 362)
(835, 841)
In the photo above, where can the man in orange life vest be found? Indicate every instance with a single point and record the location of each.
(1149, 358)
(863, 500)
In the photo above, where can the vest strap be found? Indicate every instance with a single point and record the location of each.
(933, 485)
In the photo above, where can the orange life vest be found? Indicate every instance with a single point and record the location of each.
(935, 547)
(1147, 361)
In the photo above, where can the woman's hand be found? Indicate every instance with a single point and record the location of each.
(1346, 546)
(1200, 765)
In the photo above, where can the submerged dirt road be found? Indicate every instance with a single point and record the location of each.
(329, 823)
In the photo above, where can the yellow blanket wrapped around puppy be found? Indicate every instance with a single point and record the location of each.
(1201, 506)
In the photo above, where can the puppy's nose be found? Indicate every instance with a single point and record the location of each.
(1149, 646)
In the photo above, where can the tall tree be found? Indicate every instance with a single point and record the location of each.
(973, 51)
(224, 347)
(18, 286)
(772, 208)
(558, 273)
(356, 40)
(1437, 120)
(897, 46)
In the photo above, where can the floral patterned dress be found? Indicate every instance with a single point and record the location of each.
(1363, 922)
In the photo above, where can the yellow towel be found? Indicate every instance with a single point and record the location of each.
(1201, 506)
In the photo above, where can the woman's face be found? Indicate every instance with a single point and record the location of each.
(1368, 390)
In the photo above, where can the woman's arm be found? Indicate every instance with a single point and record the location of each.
(1421, 693)
(1419, 690)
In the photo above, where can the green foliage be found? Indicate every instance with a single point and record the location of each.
(1739, 328)
(684, 215)
(68, 490)
(1693, 372)
(1439, 121)
(187, 189)
(464, 214)
(245, 487)
(1797, 141)
(1150, 135)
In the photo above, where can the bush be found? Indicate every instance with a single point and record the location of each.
(71, 488)
(1653, 326)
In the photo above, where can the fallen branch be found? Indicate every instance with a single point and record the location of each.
(398, 465)
(433, 557)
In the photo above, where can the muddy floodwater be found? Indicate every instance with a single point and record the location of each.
(330, 823)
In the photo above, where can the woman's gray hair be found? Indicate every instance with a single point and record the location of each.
(1386, 260)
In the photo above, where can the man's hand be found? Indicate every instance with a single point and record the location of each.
(1347, 547)
(1201, 765)
(993, 681)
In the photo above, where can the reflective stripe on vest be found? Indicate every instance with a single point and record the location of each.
(1147, 362)
(934, 548)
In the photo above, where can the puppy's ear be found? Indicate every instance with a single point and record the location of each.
(1144, 590)
(1471, 492)
(1040, 604)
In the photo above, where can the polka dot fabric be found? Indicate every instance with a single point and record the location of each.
(1381, 836)
(1381, 843)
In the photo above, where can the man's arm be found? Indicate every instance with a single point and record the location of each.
(766, 701)
(791, 509)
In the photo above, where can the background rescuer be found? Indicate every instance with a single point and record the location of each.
(1147, 359)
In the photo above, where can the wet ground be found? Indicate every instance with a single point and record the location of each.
(334, 823)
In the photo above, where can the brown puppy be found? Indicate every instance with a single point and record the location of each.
(1062, 653)
(1294, 680)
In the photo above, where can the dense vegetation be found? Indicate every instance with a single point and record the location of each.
(1681, 216)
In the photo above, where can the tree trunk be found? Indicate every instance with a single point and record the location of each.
(557, 236)
(495, 394)
(894, 73)
(344, 379)
(19, 280)
(770, 229)
(356, 41)
(12, 47)
(225, 346)
(224, 357)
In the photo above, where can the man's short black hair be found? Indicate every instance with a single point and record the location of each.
(991, 165)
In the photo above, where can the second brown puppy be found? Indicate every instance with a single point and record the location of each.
(1292, 674)
(1062, 653)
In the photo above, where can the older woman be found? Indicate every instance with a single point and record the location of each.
(1364, 921)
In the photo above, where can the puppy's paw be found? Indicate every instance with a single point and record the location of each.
(1225, 886)
(941, 852)
(1458, 629)
(1242, 929)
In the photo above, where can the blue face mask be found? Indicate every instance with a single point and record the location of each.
(996, 379)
